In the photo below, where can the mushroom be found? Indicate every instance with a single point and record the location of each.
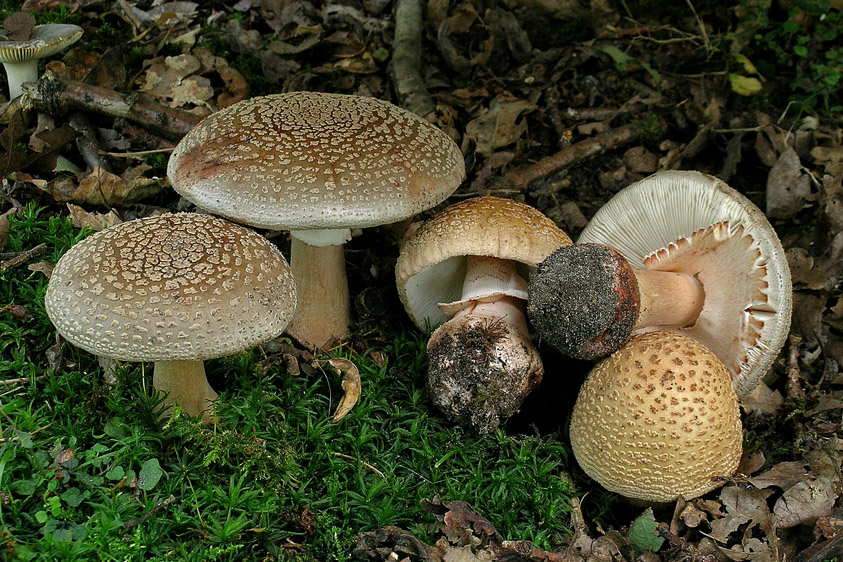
(175, 289)
(318, 165)
(690, 255)
(466, 267)
(20, 58)
(658, 420)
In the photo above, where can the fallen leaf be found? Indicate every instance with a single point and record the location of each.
(762, 400)
(788, 188)
(742, 507)
(104, 188)
(805, 502)
(350, 386)
(18, 25)
(500, 125)
(744, 85)
(95, 221)
(783, 475)
(42, 267)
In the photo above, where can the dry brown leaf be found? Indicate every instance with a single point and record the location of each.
(104, 188)
(500, 125)
(42, 267)
(805, 502)
(350, 386)
(95, 221)
(788, 189)
(742, 507)
(783, 475)
(762, 400)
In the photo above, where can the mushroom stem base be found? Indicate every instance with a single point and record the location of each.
(185, 384)
(323, 313)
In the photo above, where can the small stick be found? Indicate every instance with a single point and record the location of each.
(138, 154)
(364, 463)
(57, 96)
(407, 59)
(147, 515)
(23, 256)
(7, 382)
(520, 178)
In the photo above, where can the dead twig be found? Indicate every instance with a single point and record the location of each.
(56, 96)
(364, 463)
(8, 382)
(520, 178)
(23, 257)
(137, 522)
(138, 154)
(407, 59)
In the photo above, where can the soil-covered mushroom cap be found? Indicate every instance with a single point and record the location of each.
(432, 263)
(658, 420)
(171, 287)
(310, 161)
(692, 223)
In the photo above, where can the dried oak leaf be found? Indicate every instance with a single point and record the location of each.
(762, 400)
(500, 126)
(805, 502)
(747, 508)
(80, 218)
(783, 475)
(104, 188)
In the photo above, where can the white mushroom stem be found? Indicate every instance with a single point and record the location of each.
(18, 73)
(492, 288)
(323, 312)
(668, 298)
(185, 384)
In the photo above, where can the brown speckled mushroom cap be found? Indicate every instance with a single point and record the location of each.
(171, 287)
(658, 420)
(312, 161)
(432, 263)
(690, 222)
(45, 40)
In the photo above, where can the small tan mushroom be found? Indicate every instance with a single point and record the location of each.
(465, 269)
(658, 420)
(175, 289)
(679, 251)
(318, 165)
(20, 58)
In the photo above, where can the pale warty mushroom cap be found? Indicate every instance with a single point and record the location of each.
(171, 287)
(432, 262)
(690, 222)
(658, 420)
(311, 161)
(45, 40)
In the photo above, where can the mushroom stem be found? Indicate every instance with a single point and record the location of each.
(668, 298)
(481, 361)
(186, 385)
(323, 313)
(18, 73)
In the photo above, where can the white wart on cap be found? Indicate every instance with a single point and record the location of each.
(466, 267)
(658, 420)
(318, 165)
(20, 58)
(175, 289)
(695, 226)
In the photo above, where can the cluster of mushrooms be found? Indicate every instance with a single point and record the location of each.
(679, 279)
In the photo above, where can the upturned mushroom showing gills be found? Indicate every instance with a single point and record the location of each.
(658, 420)
(466, 269)
(175, 289)
(20, 58)
(318, 165)
(679, 251)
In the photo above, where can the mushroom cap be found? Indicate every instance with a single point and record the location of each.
(432, 263)
(45, 40)
(171, 287)
(311, 161)
(690, 222)
(658, 420)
